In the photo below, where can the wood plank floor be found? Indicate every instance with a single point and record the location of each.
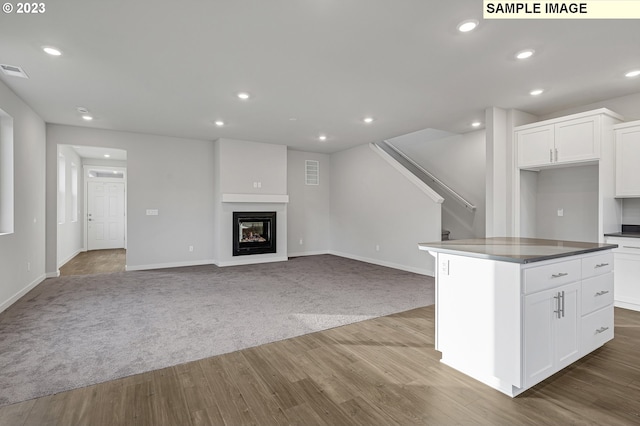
(95, 262)
(383, 371)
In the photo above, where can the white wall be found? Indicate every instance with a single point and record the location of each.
(628, 106)
(575, 190)
(458, 161)
(308, 209)
(631, 211)
(173, 175)
(22, 254)
(371, 203)
(70, 233)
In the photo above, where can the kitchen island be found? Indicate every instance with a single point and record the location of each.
(511, 312)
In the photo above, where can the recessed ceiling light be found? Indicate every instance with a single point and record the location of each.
(243, 95)
(524, 54)
(368, 120)
(633, 73)
(322, 137)
(107, 155)
(476, 124)
(468, 25)
(219, 123)
(51, 51)
(87, 117)
(536, 92)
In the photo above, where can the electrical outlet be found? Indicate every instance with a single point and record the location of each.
(444, 267)
(28, 266)
(300, 241)
(255, 184)
(259, 184)
(560, 212)
(190, 248)
(377, 247)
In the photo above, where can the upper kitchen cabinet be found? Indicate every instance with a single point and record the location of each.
(627, 142)
(566, 140)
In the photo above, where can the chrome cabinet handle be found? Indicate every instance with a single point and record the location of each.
(601, 330)
(601, 265)
(556, 154)
(557, 311)
(601, 293)
(632, 247)
(561, 274)
(563, 304)
(550, 155)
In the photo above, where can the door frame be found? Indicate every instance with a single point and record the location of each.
(87, 179)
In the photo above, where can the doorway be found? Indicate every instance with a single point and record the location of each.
(105, 215)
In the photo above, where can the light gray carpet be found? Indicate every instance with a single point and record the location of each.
(75, 331)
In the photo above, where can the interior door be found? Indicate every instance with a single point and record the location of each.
(105, 215)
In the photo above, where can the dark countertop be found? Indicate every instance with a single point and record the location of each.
(511, 249)
(629, 231)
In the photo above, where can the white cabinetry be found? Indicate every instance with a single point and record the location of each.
(559, 141)
(626, 289)
(627, 140)
(512, 325)
(551, 331)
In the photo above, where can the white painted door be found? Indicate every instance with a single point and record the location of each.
(105, 215)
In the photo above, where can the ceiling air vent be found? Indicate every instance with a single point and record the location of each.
(13, 71)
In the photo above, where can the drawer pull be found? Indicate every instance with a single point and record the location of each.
(559, 275)
(601, 330)
(601, 265)
(632, 247)
(601, 293)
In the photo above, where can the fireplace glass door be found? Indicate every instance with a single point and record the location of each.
(254, 233)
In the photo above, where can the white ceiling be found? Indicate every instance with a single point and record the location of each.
(171, 68)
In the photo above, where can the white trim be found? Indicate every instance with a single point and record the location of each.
(627, 305)
(170, 265)
(420, 271)
(62, 262)
(250, 260)
(255, 198)
(308, 253)
(55, 274)
(435, 197)
(13, 299)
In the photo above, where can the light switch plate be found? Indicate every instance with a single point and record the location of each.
(152, 212)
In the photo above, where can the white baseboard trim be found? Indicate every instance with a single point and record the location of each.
(246, 260)
(77, 252)
(627, 305)
(55, 274)
(13, 299)
(170, 265)
(420, 271)
(308, 253)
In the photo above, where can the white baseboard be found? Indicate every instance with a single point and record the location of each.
(55, 274)
(308, 253)
(170, 265)
(421, 271)
(247, 260)
(77, 252)
(627, 305)
(13, 299)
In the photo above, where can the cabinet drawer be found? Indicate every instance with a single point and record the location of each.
(597, 292)
(552, 275)
(597, 329)
(597, 265)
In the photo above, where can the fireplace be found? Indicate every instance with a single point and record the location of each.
(254, 233)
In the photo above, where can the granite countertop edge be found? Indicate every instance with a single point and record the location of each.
(504, 258)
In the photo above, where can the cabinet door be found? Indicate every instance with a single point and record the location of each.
(535, 146)
(577, 140)
(626, 279)
(551, 331)
(627, 155)
(538, 336)
(567, 326)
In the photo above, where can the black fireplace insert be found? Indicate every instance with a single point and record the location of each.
(254, 233)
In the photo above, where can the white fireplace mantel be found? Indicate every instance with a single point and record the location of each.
(255, 198)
